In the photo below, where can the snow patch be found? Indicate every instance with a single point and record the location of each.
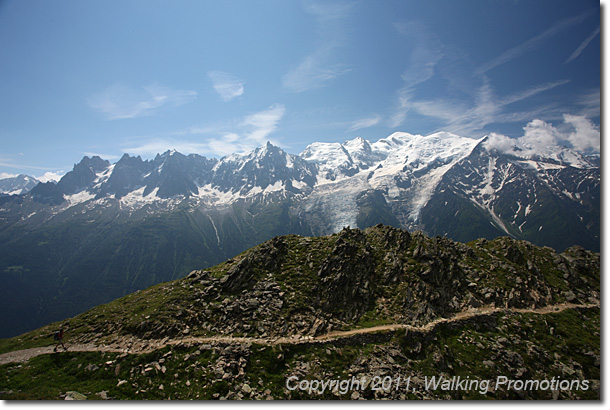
(136, 198)
(215, 230)
(79, 197)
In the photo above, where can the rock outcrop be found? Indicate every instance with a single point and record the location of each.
(303, 286)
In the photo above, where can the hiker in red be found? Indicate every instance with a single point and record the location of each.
(59, 336)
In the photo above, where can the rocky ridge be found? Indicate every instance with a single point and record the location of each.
(309, 286)
(209, 335)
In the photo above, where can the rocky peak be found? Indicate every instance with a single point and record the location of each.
(126, 176)
(47, 193)
(20, 184)
(265, 168)
(82, 175)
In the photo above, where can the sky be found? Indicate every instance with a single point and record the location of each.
(218, 77)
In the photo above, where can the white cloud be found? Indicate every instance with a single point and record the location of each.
(318, 68)
(4, 175)
(500, 142)
(365, 123)
(540, 137)
(226, 85)
(243, 135)
(586, 136)
(51, 176)
(121, 102)
(583, 45)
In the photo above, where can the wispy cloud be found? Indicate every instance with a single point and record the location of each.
(121, 102)
(469, 103)
(10, 163)
(318, 68)
(226, 85)
(253, 131)
(486, 108)
(47, 176)
(533, 43)
(424, 57)
(314, 71)
(242, 135)
(530, 92)
(328, 12)
(401, 108)
(365, 123)
(427, 52)
(583, 45)
(590, 102)
(258, 126)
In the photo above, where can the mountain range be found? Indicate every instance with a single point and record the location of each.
(105, 230)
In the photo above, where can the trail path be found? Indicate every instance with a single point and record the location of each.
(148, 346)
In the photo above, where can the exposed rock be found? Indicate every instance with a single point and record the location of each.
(74, 395)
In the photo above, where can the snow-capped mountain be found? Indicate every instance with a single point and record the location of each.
(404, 168)
(107, 229)
(553, 201)
(18, 185)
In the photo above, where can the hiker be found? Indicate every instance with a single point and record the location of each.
(58, 337)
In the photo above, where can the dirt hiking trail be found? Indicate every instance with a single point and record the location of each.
(149, 346)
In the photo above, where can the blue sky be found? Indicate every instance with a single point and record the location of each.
(216, 77)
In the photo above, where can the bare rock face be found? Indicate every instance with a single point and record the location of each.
(348, 279)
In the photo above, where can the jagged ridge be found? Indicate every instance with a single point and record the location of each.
(294, 285)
